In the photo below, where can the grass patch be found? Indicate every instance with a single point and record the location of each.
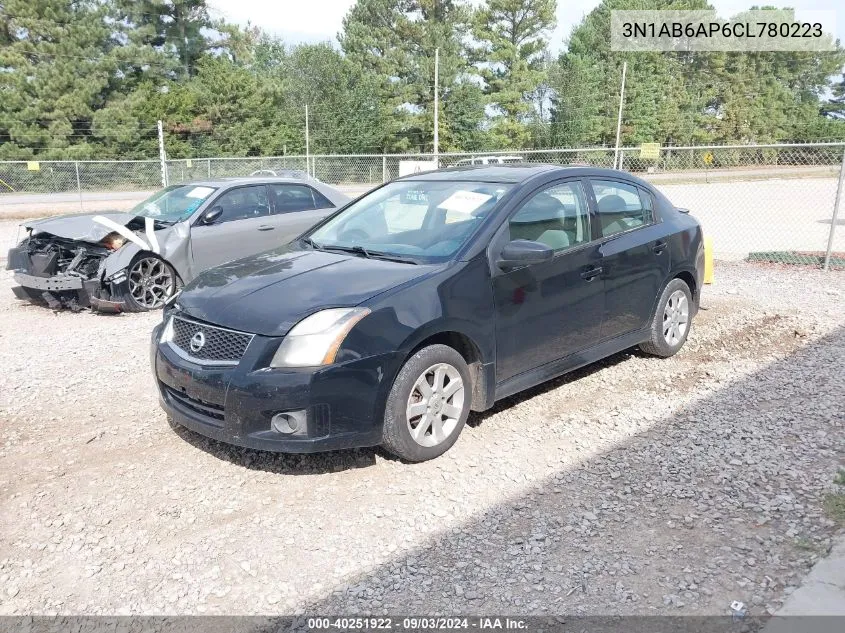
(834, 506)
(805, 544)
(834, 502)
(837, 260)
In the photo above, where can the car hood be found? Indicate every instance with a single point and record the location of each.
(269, 293)
(81, 226)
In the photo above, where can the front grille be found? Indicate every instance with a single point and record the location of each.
(204, 409)
(219, 345)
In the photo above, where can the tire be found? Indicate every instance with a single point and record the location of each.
(440, 366)
(137, 299)
(671, 322)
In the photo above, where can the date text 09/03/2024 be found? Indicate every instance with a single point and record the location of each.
(416, 623)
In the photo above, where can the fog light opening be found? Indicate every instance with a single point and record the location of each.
(288, 422)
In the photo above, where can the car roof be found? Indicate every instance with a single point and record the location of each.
(517, 173)
(237, 180)
(506, 172)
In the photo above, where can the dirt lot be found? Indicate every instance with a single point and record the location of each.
(636, 485)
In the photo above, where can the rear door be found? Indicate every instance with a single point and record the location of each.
(242, 229)
(296, 208)
(635, 257)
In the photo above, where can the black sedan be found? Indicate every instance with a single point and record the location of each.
(427, 298)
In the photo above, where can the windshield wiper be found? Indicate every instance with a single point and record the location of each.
(360, 250)
(309, 242)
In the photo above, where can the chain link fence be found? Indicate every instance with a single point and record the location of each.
(770, 203)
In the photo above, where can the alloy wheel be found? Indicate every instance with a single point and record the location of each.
(151, 282)
(435, 405)
(675, 317)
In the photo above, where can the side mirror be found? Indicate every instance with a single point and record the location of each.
(524, 253)
(212, 215)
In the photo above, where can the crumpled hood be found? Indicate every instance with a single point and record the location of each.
(80, 226)
(269, 293)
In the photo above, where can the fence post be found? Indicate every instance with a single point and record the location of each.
(162, 157)
(79, 185)
(209, 167)
(619, 119)
(384, 167)
(835, 213)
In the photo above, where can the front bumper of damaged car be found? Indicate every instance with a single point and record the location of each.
(65, 289)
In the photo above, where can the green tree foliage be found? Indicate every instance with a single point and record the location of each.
(395, 42)
(58, 63)
(687, 98)
(512, 36)
(177, 29)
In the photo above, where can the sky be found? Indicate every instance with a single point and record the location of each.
(313, 21)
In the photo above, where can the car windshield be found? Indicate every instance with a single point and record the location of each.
(424, 220)
(174, 203)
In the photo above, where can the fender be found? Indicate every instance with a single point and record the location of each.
(484, 378)
(674, 272)
(172, 248)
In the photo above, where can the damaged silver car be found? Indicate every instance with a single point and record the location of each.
(136, 261)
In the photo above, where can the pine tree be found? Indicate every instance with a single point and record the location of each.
(512, 36)
(60, 63)
(395, 41)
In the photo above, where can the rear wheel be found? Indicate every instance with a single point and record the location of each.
(428, 404)
(672, 319)
(151, 282)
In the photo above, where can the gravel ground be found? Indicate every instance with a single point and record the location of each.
(636, 485)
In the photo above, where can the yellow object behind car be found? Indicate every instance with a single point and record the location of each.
(708, 260)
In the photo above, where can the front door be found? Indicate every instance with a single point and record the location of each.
(243, 229)
(635, 255)
(548, 311)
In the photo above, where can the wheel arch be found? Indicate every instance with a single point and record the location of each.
(688, 278)
(123, 258)
(480, 369)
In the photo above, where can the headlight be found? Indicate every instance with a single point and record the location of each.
(167, 331)
(171, 300)
(316, 339)
(114, 241)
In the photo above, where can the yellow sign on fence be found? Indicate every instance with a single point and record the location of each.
(650, 150)
(33, 165)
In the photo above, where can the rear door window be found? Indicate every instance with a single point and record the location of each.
(289, 198)
(619, 206)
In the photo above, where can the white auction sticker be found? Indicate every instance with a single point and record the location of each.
(464, 201)
(199, 192)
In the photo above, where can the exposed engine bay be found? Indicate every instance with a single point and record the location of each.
(53, 255)
(83, 268)
(62, 273)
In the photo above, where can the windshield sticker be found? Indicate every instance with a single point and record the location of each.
(199, 192)
(464, 201)
(415, 197)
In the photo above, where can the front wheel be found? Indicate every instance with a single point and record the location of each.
(428, 404)
(672, 319)
(152, 281)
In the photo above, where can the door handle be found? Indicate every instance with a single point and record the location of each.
(591, 272)
(659, 246)
(266, 227)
